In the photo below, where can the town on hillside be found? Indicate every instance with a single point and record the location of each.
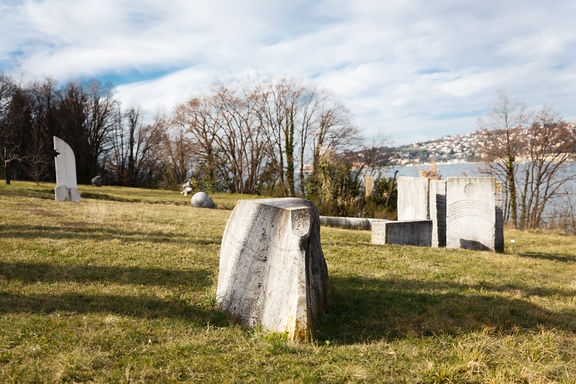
(452, 149)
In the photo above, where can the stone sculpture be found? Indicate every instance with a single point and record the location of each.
(186, 188)
(472, 220)
(272, 269)
(413, 198)
(96, 181)
(202, 200)
(414, 232)
(66, 187)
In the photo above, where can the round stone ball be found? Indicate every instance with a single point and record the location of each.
(202, 200)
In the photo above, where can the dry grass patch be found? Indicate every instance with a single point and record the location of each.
(121, 288)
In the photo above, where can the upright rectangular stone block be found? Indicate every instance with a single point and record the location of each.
(413, 194)
(438, 212)
(471, 213)
(272, 269)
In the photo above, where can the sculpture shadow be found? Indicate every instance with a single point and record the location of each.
(473, 244)
(49, 273)
(148, 307)
(549, 256)
(367, 309)
(105, 196)
(108, 197)
(105, 233)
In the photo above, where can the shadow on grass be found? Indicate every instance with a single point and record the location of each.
(105, 196)
(83, 232)
(136, 306)
(108, 197)
(36, 192)
(549, 256)
(362, 309)
(45, 272)
(48, 194)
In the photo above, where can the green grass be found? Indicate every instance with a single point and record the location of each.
(121, 286)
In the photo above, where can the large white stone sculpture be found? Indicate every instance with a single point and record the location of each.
(272, 269)
(473, 218)
(66, 187)
(413, 198)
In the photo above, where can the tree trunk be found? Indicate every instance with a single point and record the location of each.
(8, 171)
(512, 186)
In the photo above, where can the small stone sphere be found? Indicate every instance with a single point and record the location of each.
(202, 200)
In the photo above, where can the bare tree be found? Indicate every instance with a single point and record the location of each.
(547, 145)
(102, 118)
(134, 157)
(240, 137)
(15, 126)
(174, 152)
(529, 156)
(502, 146)
(197, 116)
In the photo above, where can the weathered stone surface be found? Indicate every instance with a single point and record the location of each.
(348, 222)
(471, 213)
(66, 187)
(437, 202)
(272, 269)
(202, 200)
(416, 232)
(413, 195)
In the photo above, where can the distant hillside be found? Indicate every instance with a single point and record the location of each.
(459, 148)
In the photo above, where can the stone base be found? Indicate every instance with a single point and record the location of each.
(63, 193)
(417, 233)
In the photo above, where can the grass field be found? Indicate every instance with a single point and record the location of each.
(121, 288)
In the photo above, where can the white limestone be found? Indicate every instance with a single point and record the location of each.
(471, 220)
(413, 198)
(202, 200)
(272, 269)
(66, 187)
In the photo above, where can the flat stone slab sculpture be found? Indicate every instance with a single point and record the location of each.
(272, 269)
(472, 214)
(413, 232)
(202, 200)
(413, 193)
(66, 187)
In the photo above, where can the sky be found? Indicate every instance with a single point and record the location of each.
(408, 70)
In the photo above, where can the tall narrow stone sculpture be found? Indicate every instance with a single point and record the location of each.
(66, 187)
(272, 269)
(413, 198)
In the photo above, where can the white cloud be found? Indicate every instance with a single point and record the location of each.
(406, 69)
